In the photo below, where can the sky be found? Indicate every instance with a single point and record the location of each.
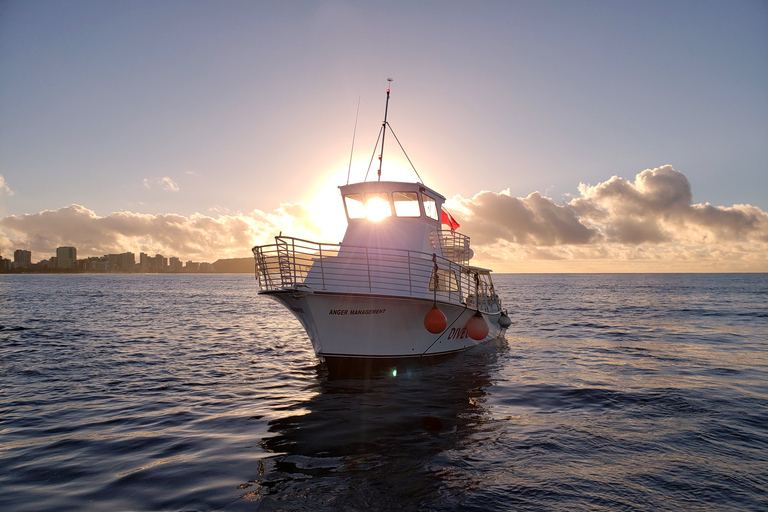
(569, 136)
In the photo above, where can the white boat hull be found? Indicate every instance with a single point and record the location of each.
(344, 325)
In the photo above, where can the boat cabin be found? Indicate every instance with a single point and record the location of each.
(399, 215)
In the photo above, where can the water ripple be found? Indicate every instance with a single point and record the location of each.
(181, 392)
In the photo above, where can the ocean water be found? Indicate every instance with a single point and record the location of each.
(189, 392)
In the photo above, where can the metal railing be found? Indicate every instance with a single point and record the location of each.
(292, 263)
(455, 246)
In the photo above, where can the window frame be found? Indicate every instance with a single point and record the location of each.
(416, 200)
(424, 198)
(346, 205)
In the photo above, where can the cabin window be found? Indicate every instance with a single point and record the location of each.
(430, 207)
(446, 281)
(406, 204)
(354, 204)
(377, 206)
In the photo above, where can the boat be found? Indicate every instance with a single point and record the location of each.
(399, 286)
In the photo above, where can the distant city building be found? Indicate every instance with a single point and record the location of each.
(160, 263)
(22, 259)
(66, 257)
(144, 262)
(125, 262)
(113, 262)
(174, 264)
(128, 261)
(94, 263)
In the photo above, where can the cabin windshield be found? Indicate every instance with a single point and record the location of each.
(379, 205)
(354, 205)
(430, 206)
(406, 204)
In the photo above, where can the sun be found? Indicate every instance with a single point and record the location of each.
(326, 207)
(327, 210)
(377, 208)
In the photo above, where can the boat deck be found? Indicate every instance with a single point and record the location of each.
(293, 263)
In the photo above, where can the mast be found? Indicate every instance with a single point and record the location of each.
(384, 130)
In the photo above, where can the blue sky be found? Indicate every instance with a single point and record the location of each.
(223, 108)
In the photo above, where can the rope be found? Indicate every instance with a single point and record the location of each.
(354, 133)
(374, 152)
(406, 154)
(436, 277)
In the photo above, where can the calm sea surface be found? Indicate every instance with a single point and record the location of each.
(189, 392)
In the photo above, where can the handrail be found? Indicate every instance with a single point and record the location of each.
(455, 246)
(292, 262)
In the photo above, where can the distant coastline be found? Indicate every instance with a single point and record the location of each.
(220, 266)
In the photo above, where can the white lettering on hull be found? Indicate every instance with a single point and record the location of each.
(342, 312)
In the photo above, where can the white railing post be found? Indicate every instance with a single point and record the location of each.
(410, 281)
(322, 268)
(368, 267)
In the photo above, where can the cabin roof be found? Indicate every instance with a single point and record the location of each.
(389, 186)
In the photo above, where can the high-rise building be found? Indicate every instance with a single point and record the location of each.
(22, 259)
(66, 257)
(174, 264)
(144, 262)
(160, 263)
(125, 262)
(128, 262)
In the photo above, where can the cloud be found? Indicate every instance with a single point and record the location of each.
(648, 224)
(4, 188)
(221, 210)
(164, 183)
(533, 220)
(658, 207)
(197, 237)
(651, 220)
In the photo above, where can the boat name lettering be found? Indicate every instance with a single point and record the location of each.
(356, 311)
(457, 333)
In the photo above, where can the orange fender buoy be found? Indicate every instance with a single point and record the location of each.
(477, 328)
(435, 320)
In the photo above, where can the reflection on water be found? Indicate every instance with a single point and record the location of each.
(371, 443)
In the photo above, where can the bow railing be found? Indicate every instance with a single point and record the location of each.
(293, 263)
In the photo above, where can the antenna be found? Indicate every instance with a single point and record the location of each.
(384, 128)
(354, 132)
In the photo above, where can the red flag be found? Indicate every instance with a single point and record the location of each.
(446, 218)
